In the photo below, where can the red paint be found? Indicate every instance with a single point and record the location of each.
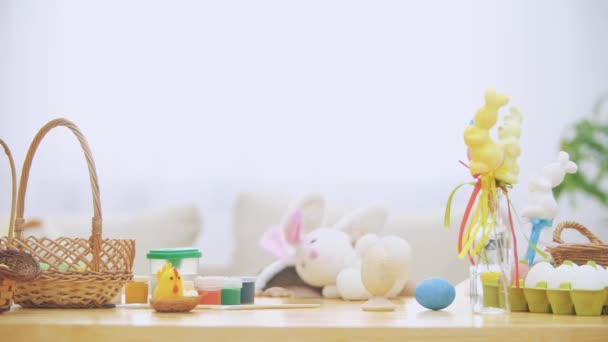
(211, 297)
(313, 255)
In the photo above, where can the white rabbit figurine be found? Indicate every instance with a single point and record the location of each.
(542, 204)
(542, 207)
(324, 256)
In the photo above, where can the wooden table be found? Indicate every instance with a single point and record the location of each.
(335, 321)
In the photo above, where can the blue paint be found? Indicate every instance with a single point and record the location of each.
(435, 293)
(537, 226)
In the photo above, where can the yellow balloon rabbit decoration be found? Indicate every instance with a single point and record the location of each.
(494, 167)
(508, 137)
(486, 155)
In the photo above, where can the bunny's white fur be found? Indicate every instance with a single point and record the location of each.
(542, 203)
(325, 256)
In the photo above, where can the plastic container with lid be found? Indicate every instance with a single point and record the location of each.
(231, 291)
(209, 289)
(248, 290)
(186, 260)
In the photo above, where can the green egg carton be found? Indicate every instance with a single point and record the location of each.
(561, 301)
(517, 299)
(489, 282)
(606, 303)
(490, 296)
(588, 302)
(492, 290)
(537, 299)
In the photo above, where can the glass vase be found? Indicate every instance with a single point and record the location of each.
(490, 277)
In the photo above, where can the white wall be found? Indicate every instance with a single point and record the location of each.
(192, 101)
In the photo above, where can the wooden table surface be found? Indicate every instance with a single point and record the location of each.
(334, 320)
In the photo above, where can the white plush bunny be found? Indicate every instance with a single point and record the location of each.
(324, 256)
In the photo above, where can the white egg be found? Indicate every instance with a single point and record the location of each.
(587, 277)
(601, 272)
(562, 274)
(538, 273)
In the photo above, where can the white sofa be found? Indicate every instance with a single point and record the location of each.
(433, 247)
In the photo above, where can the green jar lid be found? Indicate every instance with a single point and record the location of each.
(173, 253)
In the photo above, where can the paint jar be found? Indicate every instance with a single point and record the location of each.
(136, 291)
(209, 289)
(231, 291)
(185, 260)
(248, 290)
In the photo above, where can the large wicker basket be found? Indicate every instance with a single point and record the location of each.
(81, 273)
(579, 253)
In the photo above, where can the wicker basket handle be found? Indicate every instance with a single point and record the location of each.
(95, 238)
(576, 226)
(13, 192)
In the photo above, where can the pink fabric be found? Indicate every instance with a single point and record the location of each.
(272, 242)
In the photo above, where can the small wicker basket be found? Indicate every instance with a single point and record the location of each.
(15, 267)
(81, 273)
(579, 253)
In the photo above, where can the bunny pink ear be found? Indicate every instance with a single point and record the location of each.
(272, 242)
(293, 229)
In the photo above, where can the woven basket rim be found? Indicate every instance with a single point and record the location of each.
(21, 266)
(580, 245)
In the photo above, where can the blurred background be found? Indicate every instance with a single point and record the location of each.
(191, 103)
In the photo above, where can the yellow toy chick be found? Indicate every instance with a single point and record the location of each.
(486, 155)
(508, 137)
(169, 283)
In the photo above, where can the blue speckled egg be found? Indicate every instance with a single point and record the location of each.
(435, 293)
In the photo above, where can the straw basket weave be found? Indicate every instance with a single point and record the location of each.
(579, 253)
(15, 267)
(81, 273)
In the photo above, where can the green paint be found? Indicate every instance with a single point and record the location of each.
(231, 296)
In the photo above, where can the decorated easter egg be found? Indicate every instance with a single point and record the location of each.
(539, 273)
(435, 293)
(561, 276)
(587, 277)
